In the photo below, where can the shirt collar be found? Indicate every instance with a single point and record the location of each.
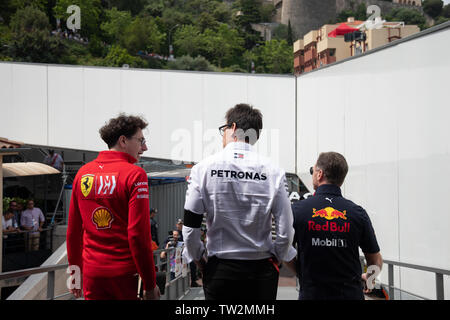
(238, 145)
(329, 189)
(105, 156)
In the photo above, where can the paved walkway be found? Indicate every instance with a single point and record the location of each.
(286, 290)
(283, 293)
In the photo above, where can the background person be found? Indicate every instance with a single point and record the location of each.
(8, 223)
(32, 219)
(329, 229)
(108, 233)
(240, 192)
(174, 242)
(16, 212)
(179, 226)
(154, 225)
(54, 159)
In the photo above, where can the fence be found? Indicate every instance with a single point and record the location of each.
(177, 274)
(439, 278)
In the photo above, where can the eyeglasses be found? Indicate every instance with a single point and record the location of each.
(311, 170)
(141, 140)
(223, 128)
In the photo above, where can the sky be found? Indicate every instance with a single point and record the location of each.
(446, 2)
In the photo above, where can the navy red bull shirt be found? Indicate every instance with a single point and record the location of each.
(329, 229)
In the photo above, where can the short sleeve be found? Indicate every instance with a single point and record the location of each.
(368, 242)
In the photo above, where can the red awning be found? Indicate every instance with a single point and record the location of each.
(341, 30)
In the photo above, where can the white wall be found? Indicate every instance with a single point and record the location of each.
(388, 113)
(64, 106)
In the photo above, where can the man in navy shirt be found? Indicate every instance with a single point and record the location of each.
(328, 231)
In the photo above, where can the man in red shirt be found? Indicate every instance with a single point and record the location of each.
(108, 235)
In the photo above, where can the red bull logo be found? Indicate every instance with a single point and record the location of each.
(329, 213)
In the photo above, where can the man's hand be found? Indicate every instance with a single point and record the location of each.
(364, 280)
(153, 294)
(201, 264)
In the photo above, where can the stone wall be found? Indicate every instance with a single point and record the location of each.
(307, 15)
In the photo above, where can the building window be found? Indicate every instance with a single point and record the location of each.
(332, 52)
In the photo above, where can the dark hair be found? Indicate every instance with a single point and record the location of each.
(7, 211)
(247, 119)
(334, 167)
(123, 125)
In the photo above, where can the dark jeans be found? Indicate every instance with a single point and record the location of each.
(226, 279)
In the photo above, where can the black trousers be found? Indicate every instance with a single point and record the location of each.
(227, 279)
(344, 291)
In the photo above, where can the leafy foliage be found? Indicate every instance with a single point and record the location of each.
(432, 7)
(188, 63)
(206, 34)
(408, 16)
(30, 37)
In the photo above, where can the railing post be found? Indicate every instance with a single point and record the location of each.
(391, 281)
(439, 286)
(50, 285)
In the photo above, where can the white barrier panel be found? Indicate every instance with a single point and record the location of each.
(23, 102)
(64, 106)
(387, 112)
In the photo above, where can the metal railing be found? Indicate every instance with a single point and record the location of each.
(439, 278)
(50, 277)
(161, 264)
(21, 241)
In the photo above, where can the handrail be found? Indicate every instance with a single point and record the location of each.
(31, 271)
(417, 267)
(52, 268)
(439, 277)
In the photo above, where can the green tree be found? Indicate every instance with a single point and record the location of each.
(280, 32)
(250, 12)
(90, 11)
(409, 16)
(133, 6)
(30, 37)
(432, 7)
(440, 20)
(223, 44)
(118, 56)
(277, 57)
(188, 63)
(290, 34)
(446, 11)
(207, 21)
(143, 34)
(154, 8)
(188, 40)
(222, 13)
(359, 13)
(117, 21)
(267, 11)
(171, 17)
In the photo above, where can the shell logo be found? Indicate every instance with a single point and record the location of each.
(102, 218)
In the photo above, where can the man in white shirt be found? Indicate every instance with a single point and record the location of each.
(32, 220)
(240, 192)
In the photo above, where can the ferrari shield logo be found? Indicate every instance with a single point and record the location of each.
(86, 184)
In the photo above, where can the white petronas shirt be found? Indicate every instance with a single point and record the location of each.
(239, 191)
